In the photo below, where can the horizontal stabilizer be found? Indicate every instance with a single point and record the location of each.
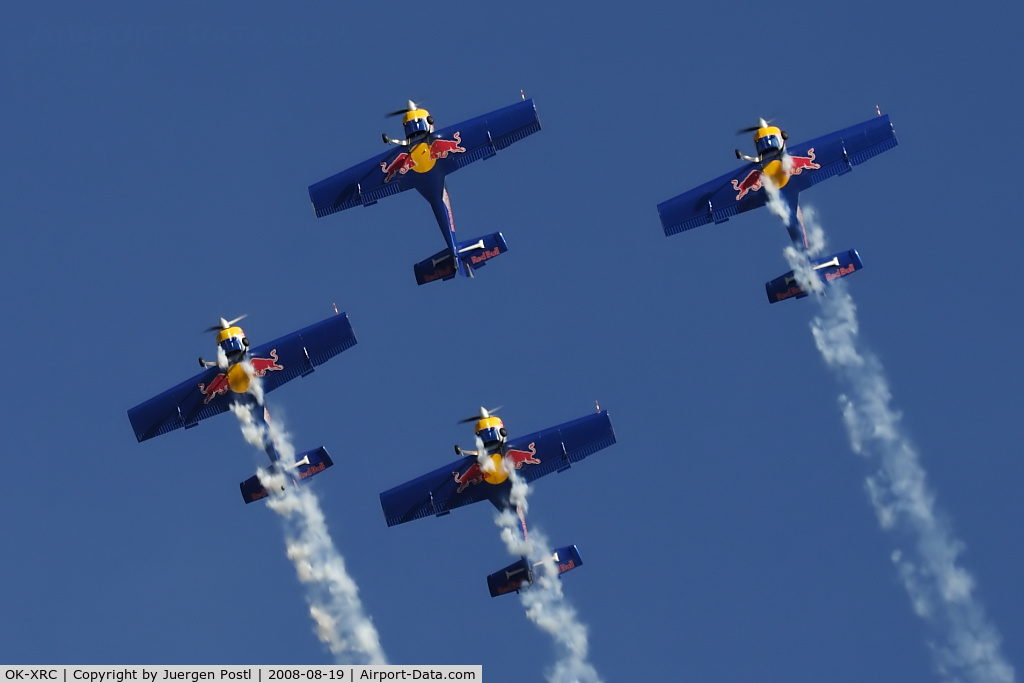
(828, 269)
(519, 574)
(440, 266)
(511, 578)
(306, 465)
(474, 253)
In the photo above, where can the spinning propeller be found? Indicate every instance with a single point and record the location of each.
(761, 123)
(225, 324)
(411, 106)
(484, 414)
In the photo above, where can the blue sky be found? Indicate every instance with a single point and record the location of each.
(156, 165)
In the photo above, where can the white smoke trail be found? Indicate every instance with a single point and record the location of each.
(939, 589)
(545, 604)
(333, 597)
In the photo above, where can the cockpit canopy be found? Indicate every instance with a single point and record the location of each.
(768, 141)
(233, 342)
(491, 431)
(418, 122)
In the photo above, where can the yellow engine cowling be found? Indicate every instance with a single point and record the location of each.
(497, 474)
(238, 379)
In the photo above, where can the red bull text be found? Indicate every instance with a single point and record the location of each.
(448, 208)
(839, 272)
(259, 495)
(313, 469)
(789, 293)
(441, 273)
(484, 255)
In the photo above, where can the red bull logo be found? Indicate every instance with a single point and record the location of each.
(755, 179)
(440, 149)
(800, 163)
(752, 183)
(563, 568)
(519, 458)
(474, 475)
(421, 157)
(513, 459)
(401, 164)
(220, 384)
(260, 366)
(218, 387)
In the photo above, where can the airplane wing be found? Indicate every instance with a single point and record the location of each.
(435, 493)
(714, 201)
(558, 447)
(483, 136)
(837, 153)
(277, 362)
(454, 147)
(535, 455)
(300, 352)
(818, 159)
(361, 185)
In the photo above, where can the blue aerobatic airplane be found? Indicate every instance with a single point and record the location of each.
(229, 380)
(791, 169)
(422, 161)
(484, 475)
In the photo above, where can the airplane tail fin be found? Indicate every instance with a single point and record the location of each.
(471, 255)
(306, 465)
(828, 269)
(521, 573)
